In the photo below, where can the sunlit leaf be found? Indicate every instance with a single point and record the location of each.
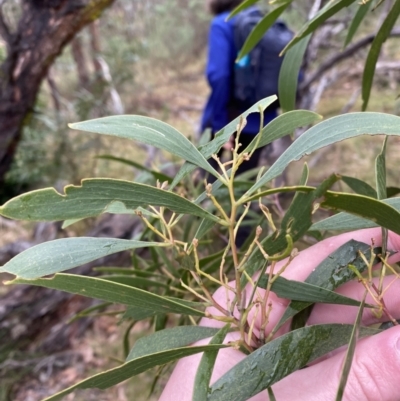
(375, 49)
(206, 366)
(65, 253)
(147, 130)
(92, 198)
(279, 358)
(98, 288)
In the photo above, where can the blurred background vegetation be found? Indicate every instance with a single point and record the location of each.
(148, 57)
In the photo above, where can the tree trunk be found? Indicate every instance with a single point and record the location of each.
(80, 61)
(45, 27)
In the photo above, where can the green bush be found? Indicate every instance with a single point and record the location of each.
(182, 269)
(174, 283)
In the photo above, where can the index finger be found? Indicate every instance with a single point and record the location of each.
(307, 260)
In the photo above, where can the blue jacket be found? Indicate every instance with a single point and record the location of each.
(219, 71)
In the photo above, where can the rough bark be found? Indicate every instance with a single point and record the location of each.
(45, 27)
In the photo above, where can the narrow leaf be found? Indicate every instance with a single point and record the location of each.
(92, 198)
(289, 74)
(164, 340)
(98, 288)
(134, 313)
(132, 368)
(157, 175)
(347, 222)
(279, 358)
(89, 311)
(69, 222)
(279, 190)
(283, 125)
(380, 172)
(271, 394)
(242, 6)
(138, 282)
(304, 175)
(359, 187)
(149, 131)
(66, 253)
(350, 352)
(392, 191)
(375, 49)
(331, 273)
(306, 292)
(204, 227)
(362, 11)
(206, 366)
(295, 223)
(120, 271)
(331, 8)
(379, 212)
(330, 131)
(221, 137)
(259, 30)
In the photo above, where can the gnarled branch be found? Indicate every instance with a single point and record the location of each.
(337, 58)
(44, 29)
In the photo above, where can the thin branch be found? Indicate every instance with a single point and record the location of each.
(347, 107)
(337, 58)
(314, 9)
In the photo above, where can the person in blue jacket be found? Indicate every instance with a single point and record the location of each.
(220, 108)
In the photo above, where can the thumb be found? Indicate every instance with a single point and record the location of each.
(374, 374)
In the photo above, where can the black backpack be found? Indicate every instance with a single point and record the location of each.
(256, 75)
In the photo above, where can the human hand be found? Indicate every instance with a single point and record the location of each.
(376, 365)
